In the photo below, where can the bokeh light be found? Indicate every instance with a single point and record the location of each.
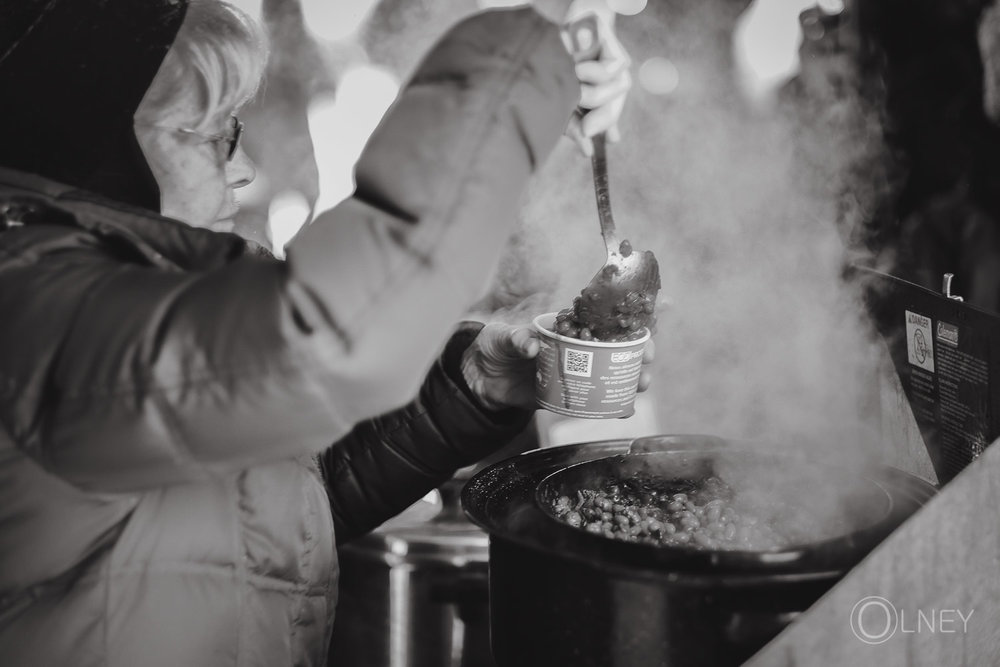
(627, 7)
(336, 20)
(766, 45)
(340, 126)
(286, 214)
(831, 6)
(659, 76)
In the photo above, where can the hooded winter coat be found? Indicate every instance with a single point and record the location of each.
(169, 494)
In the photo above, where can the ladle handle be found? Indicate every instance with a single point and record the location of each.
(599, 161)
(584, 34)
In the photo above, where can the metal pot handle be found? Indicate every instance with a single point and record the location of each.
(676, 443)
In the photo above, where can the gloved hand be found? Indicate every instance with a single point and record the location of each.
(499, 366)
(604, 81)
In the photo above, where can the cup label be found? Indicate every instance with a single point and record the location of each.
(594, 383)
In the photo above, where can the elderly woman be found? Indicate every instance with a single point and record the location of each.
(169, 393)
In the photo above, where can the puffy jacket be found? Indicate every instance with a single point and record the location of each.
(169, 395)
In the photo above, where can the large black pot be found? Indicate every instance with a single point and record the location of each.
(562, 596)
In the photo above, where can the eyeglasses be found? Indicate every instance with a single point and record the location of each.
(232, 139)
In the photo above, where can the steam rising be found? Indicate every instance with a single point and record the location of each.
(746, 209)
(747, 213)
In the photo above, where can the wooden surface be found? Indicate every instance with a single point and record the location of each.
(943, 563)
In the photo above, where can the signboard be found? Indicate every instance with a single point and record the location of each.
(947, 355)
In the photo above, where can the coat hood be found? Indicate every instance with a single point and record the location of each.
(73, 73)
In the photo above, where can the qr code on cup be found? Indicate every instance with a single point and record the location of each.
(578, 362)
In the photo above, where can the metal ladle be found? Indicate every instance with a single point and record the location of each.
(621, 297)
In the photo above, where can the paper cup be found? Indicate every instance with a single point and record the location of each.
(584, 378)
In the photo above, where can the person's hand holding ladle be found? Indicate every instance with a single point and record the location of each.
(621, 297)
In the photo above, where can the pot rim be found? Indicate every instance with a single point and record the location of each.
(501, 500)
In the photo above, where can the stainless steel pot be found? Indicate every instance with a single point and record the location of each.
(413, 593)
(560, 595)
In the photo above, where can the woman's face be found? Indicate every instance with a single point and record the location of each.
(197, 182)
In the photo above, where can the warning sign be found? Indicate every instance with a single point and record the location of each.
(919, 341)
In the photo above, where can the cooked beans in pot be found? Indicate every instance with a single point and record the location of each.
(705, 518)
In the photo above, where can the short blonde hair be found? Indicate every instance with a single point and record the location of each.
(219, 54)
